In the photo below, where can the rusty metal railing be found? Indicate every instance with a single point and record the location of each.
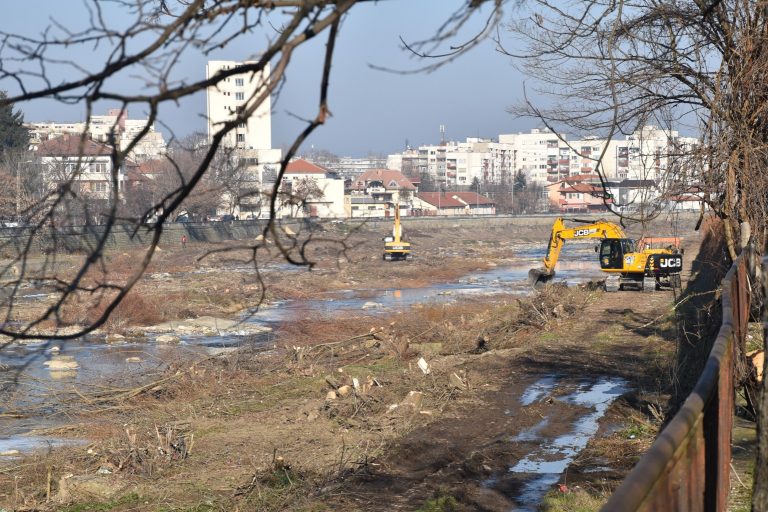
(688, 466)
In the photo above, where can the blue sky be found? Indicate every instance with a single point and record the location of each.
(373, 111)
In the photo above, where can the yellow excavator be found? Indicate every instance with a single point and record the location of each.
(629, 263)
(395, 247)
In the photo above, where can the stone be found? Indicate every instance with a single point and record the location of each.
(115, 338)
(62, 363)
(424, 366)
(331, 395)
(288, 231)
(344, 391)
(167, 338)
(371, 305)
(132, 359)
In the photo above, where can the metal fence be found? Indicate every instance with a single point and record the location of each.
(688, 466)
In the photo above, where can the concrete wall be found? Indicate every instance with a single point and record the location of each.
(80, 239)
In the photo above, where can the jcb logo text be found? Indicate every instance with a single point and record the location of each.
(671, 262)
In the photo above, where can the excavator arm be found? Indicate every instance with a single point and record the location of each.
(560, 233)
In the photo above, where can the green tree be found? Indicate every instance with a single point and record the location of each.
(521, 182)
(475, 185)
(13, 135)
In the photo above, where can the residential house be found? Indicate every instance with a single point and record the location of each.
(578, 194)
(634, 195)
(85, 162)
(308, 190)
(375, 192)
(452, 204)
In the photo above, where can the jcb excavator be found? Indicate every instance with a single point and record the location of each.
(395, 248)
(627, 262)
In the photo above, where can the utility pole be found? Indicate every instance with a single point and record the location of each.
(18, 194)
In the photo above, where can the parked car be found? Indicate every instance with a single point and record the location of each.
(228, 217)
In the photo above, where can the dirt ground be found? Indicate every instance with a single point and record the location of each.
(284, 426)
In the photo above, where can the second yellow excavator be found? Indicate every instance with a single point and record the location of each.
(627, 262)
(395, 246)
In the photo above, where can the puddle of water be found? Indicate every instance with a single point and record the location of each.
(531, 434)
(14, 447)
(542, 468)
(538, 390)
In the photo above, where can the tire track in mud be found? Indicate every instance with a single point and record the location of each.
(534, 411)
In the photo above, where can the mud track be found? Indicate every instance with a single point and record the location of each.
(467, 455)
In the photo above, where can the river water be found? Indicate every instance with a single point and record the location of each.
(28, 384)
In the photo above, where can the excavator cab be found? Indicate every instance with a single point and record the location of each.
(612, 251)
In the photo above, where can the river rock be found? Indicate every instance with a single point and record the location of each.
(62, 363)
(115, 338)
(132, 359)
(167, 338)
(371, 305)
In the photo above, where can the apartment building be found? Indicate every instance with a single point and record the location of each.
(651, 153)
(115, 127)
(453, 163)
(229, 97)
(537, 154)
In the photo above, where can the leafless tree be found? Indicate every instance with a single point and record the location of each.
(153, 37)
(611, 67)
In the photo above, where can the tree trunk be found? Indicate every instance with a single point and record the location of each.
(760, 491)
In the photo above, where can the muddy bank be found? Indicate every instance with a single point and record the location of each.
(327, 418)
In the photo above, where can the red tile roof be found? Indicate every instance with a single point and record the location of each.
(583, 188)
(391, 179)
(155, 166)
(300, 166)
(70, 145)
(582, 177)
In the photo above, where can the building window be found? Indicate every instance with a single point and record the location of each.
(239, 96)
(240, 137)
(241, 125)
(239, 82)
(100, 186)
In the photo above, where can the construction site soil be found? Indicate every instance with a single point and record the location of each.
(511, 400)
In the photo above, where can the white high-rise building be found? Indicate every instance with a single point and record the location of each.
(233, 94)
(537, 154)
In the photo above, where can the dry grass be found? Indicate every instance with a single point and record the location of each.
(150, 431)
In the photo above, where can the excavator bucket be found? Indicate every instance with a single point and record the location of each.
(539, 276)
